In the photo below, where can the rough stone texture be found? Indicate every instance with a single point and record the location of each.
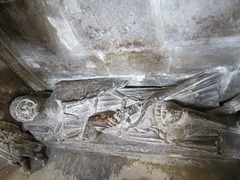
(6, 168)
(75, 165)
(156, 42)
(194, 20)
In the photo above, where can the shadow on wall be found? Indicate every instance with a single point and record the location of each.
(11, 86)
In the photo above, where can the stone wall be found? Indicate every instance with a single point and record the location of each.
(154, 42)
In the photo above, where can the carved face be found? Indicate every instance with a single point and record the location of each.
(170, 112)
(24, 109)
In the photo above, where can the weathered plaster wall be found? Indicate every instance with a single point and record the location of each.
(155, 42)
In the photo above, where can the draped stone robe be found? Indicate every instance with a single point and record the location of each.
(83, 111)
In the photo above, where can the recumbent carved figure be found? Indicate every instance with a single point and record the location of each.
(79, 111)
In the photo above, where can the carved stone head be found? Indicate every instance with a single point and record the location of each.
(26, 108)
(170, 112)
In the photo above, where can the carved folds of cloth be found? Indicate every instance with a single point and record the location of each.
(19, 147)
(87, 112)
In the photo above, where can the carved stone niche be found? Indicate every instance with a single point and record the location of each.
(19, 147)
(106, 115)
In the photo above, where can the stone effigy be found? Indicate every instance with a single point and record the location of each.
(109, 113)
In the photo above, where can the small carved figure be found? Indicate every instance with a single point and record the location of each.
(18, 146)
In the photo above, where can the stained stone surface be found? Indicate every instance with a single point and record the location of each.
(73, 165)
(156, 42)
